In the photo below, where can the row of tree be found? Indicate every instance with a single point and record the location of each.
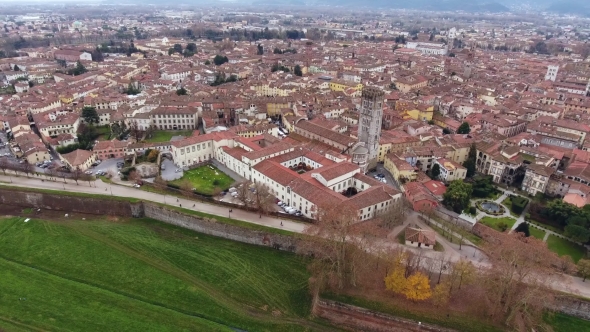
(513, 292)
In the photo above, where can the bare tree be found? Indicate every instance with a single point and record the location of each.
(135, 131)
(76, 174)
(516, 289)
(395, 214)
(4, 165)
(87, 177)
(52, 172)
(243, 191)
(328, 242)
(27, 168)
(264, 199)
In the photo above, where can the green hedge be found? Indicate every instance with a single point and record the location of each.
(518, 204)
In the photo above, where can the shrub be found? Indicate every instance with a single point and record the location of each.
(523, 227)
(472, 210)
(153, 156)
(172, 185)
(502, 226)
(518, 204)
(216, 182)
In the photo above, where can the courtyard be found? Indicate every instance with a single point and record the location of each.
(205, 179)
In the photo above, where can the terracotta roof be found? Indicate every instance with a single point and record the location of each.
(419, 235)
(77, 157)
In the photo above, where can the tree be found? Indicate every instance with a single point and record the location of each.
(463, 128)
(457, 195)
(435, 171)
(171, 51)
(417, 287)
(76, 174)
(243, 191)
(523, 228)
(395, 214)
(177, 48)
(181, 92)
(90, 115)
(462, 272)
(15, 68)
(470, 162)
(263, 198)
(277, 51)
(396, 280)
(297, 70)
(260, 50)
(4, 164)
(27, 168)
(191, 47)
(441, 294)
(219, 60)
(514, 289)
(577, 233)
(340, 250)
(186, 186)
(78, 70)
(584, 268)
(153, 155)
(207, 62)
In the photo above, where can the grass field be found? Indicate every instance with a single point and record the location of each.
(537, 233)
(495, 222)
(564, 323)
(165, 135)
(564, 247)
(143, 275)
(205, 179)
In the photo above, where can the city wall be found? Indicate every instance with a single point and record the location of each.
(340, 313)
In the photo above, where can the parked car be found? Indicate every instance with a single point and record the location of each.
(280, 203)
(383, 180)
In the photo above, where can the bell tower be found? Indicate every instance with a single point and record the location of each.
(371, 115)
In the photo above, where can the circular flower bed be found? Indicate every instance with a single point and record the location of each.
(491, 208)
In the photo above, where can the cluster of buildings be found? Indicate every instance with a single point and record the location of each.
(309, 116)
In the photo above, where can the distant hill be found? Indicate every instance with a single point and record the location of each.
(571, 7)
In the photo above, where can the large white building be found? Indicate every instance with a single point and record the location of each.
(428, 48)
(301, 178)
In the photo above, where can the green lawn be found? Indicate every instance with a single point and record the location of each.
(205, 179)
(495, 222)
(564, 247)
(104, 133)
(564, 323)
(165, 135)
(143, 275)
(535, 232)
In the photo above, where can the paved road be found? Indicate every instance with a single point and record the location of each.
(563, 283)
(127, 191)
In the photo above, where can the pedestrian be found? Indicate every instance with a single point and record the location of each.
(260, 216)
(180, 205)
(193, 205)
(177, 200)
(281, 223)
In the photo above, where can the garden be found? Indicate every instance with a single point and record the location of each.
(500, 224)
(516, 204)
(563, 247)
(206, 180)
(159, 136)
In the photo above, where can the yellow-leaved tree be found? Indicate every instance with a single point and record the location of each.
(417, 287)
(441, 294)
(396, 281)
